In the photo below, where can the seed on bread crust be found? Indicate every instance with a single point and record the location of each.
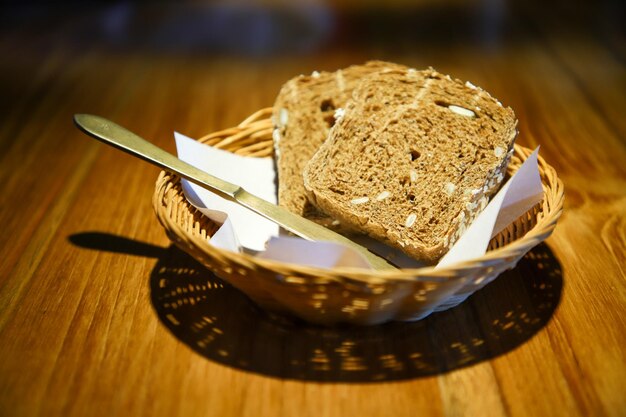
(283, 117)
(383, 195)
(461, 110)
(449, 188)
(360, 200)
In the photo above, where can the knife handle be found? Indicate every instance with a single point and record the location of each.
(121, 138)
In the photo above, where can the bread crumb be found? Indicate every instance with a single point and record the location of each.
(339, 113)
(470, 85)
(315, 74)
(276, 135)
(410, 220)
(413, 175)
(498, 151)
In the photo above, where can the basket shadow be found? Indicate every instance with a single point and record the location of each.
(223, 325)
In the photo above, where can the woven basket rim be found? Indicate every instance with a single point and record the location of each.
(551, 205)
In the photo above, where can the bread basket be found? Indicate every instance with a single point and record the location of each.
(347, 295)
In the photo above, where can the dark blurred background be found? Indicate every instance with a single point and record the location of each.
(260, 29)
(77, 50)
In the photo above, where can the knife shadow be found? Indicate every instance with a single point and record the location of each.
(223, 325)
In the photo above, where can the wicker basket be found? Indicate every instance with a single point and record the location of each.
(330, 296)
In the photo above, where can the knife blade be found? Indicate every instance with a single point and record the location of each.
(119, 137)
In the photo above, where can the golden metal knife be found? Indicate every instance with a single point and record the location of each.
(112, 134)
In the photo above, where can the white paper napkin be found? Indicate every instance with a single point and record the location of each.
(242, 227)
(244, 230)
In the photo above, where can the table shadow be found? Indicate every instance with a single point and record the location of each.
(224, 326)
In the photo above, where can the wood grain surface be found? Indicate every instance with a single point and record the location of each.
(85, 267)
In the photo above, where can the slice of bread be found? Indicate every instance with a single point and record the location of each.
(413, 160)
(303, 114)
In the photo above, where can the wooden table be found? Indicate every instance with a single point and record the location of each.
(85, 267)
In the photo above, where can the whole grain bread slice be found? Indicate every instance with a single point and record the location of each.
(413, 160)
(303, 115)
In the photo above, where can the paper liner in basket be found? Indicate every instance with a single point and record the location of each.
(244, 230)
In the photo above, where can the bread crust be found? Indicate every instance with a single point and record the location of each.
(413, 160)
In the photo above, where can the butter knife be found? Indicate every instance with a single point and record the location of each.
(112, 134)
